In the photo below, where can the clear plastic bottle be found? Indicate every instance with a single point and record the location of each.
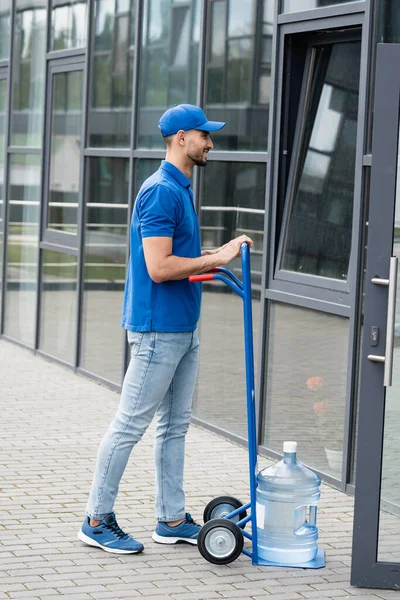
(286, 500)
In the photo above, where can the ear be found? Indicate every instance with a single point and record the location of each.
(180, 136)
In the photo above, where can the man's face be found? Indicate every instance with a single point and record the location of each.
(198, 144)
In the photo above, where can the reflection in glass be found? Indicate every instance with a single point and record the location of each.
(306, 375)
(389, 522)
(58, 305)
(388, 22)
(28, 73)
(297, 5)
(232, 203)
(5, 28)
(68, 24)
(318, 239)
(105, 259)
(168, 69)
(112, 68)
(65, 151)
(3, 131)
(22, 244)
(238, 70)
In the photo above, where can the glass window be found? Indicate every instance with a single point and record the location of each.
(58, 305)
(320, 223)
(28, 73)
(65, 151)
(68, 24)
(5, 29)
(3, 133)
(298, 5)
(306, 375)
(238, 69)
(168, 70)
(22, 245)
(105, 257)
(388, 21)
(112, 68)
(232, 203)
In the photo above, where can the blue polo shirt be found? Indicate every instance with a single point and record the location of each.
(164, 207)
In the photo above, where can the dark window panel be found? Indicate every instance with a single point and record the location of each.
(22, 247)
(68, 24)
(318, 239)
(58, 305)
(28, 73)
(238, 72)
(169, 63)
(110, 113)
(5, 28)
(105, 255)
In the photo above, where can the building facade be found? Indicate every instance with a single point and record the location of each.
(82, 86)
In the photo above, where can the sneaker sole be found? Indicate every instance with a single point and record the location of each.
(160, 539)
(87, 540)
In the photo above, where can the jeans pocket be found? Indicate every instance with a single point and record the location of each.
(135, 341)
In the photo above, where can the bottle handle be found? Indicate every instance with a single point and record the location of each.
(305, 527)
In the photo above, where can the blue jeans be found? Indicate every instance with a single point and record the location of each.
(160, 378)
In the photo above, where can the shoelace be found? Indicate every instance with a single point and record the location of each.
(116, 529)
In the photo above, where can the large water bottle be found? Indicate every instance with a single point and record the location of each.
(286, 501)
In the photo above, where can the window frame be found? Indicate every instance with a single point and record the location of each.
(320, 288)
(52, 236)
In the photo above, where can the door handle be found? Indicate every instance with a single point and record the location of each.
(391, 315)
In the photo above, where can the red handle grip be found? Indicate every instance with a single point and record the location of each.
(205, 277)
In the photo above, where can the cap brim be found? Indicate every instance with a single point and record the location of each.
(211, 126)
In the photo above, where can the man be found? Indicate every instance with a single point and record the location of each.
(161, 310)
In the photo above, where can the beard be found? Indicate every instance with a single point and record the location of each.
(197, 158)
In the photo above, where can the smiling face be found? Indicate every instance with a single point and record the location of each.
(198, 144)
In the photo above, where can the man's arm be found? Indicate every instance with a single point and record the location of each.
(162, 265)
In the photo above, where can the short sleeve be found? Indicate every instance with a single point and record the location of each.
(158, 212)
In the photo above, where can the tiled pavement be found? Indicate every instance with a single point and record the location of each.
(51, 424)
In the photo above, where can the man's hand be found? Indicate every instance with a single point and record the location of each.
(232, 249)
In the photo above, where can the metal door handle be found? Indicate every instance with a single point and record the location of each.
(391, 315)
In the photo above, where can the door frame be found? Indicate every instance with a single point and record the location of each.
(366, 570)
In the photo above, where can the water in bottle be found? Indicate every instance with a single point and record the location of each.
(286, 501)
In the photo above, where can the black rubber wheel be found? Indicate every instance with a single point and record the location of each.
(222, 506)
(220, 541)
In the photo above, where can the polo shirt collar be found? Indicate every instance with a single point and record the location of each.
(175, 173)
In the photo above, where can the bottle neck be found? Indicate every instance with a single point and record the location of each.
(289, 458)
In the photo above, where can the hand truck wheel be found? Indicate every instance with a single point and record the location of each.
(222, 506)
(220, 541)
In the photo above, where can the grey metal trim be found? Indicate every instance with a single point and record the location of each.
(269, 226)
(322, 13)
(312, 280)
(156, 153)
(22, 150)
(105, 382)
(7, 173)
(66, 65)
(108, 152)
(337, 21)
(366, 570)
(43, 152)
(367, 160)
(60, 54)
(355, 270)
(4, 63)
(57, 248)
(54, 359)
(136, 73)
(319, 304)
(82, 185)
(220, 155)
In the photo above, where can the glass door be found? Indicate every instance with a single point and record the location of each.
(376, 542)
(3, 137)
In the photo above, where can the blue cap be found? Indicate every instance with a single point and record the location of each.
(185, 117)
